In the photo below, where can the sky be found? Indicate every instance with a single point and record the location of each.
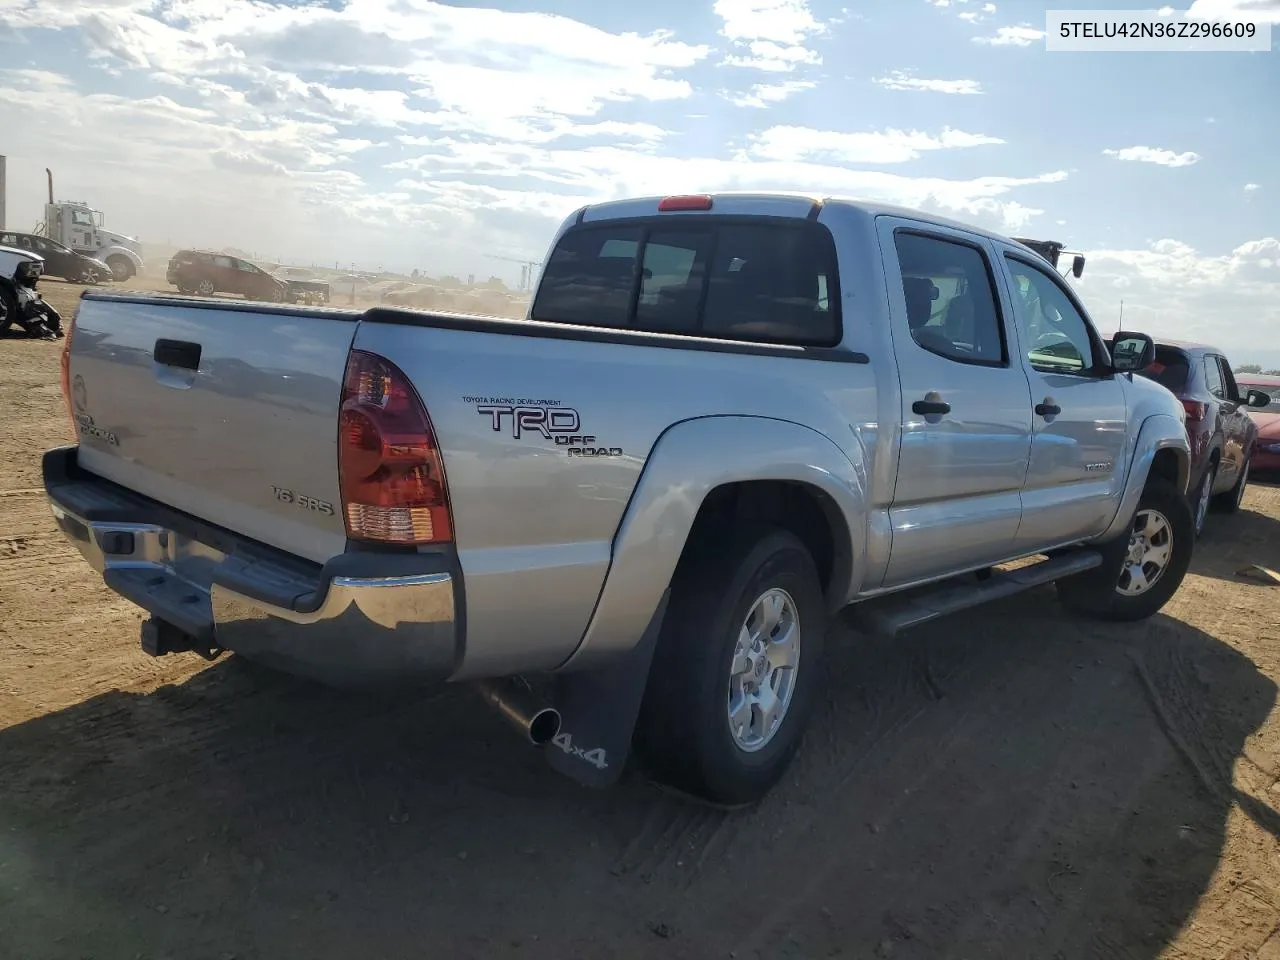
(453, 138)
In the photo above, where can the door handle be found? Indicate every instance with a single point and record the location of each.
(930, 407)
(177, 353)
(1047, 409)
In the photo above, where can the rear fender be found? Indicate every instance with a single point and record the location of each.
(690, 460)
(1159, 432)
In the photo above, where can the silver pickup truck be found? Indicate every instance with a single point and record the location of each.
(629, 517)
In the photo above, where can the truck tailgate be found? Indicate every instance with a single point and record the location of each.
(221, 412)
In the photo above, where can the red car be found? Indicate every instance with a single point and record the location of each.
(1221, 433)
(1266, 450)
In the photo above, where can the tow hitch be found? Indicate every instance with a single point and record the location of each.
(160, 638)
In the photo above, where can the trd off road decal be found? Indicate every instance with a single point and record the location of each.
(548, 419)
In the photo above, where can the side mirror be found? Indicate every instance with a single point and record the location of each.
(1256, 398)
(1077, 266)
(1131, 352)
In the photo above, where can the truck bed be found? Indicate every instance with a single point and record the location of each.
(545, 431)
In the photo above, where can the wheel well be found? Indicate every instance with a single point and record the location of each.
(1167, 465)
(800, 508)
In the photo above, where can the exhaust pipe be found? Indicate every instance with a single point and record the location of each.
(537, 724)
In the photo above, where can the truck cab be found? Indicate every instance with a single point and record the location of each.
(82, 228)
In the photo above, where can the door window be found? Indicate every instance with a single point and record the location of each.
(245, 267)
(82, 218)
(1213, 377)
(1228, 380)
(951, 305)
(1055, 335)
(224, 262)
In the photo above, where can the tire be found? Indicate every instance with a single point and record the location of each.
(1107, 592)
(1229, 500)
(1203, 497)
(683, 734)
(121, 268)
(205, 288)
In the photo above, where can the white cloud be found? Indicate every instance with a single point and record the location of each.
(1157, 155)
(607, 172)
(1172, 290)
(766, 94)
(1260, 11)
(771, 35)
(414, 131)
(900, 80)
(988, 8)
(1020, 36)
(1250, 187)
(788, 143)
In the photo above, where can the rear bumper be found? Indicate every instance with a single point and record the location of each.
(364, 618)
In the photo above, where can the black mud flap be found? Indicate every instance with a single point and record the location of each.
(598, 711)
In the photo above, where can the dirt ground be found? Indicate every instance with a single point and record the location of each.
(1014, 783)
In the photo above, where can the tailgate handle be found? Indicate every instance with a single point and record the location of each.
(177, 353)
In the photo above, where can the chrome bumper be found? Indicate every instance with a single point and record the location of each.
(350, 623)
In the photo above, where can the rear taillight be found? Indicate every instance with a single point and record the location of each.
(1196, 410)
(389, 465)
(66, 372)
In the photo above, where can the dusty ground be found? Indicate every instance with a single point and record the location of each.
(1014, 784)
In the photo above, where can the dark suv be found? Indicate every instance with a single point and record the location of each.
(198, 271)
(1221, 432)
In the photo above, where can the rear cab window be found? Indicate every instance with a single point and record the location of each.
(1171, 369)
(757, 279)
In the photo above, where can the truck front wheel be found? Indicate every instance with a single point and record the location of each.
(735, 670)
(121, 268)
(1142, 569)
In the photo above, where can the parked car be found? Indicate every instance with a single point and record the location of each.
(303, 285)
(16, 265)
(1220, 431)
(206, 273)
(725, 419)
(1266, 451)
(59, 259)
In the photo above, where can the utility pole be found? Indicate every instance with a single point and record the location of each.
(3, 188)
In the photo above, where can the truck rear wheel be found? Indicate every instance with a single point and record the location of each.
(734, 673)
(1142, 569)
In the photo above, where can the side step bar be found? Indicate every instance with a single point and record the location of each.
(893, 614)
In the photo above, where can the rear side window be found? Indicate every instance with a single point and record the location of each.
(1171, 369)
(755, 280)
(951, 304)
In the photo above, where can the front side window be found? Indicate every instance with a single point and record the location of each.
(224, 262)
(81, 218)
(1055, 335)
(752, 280)
(951, 306)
